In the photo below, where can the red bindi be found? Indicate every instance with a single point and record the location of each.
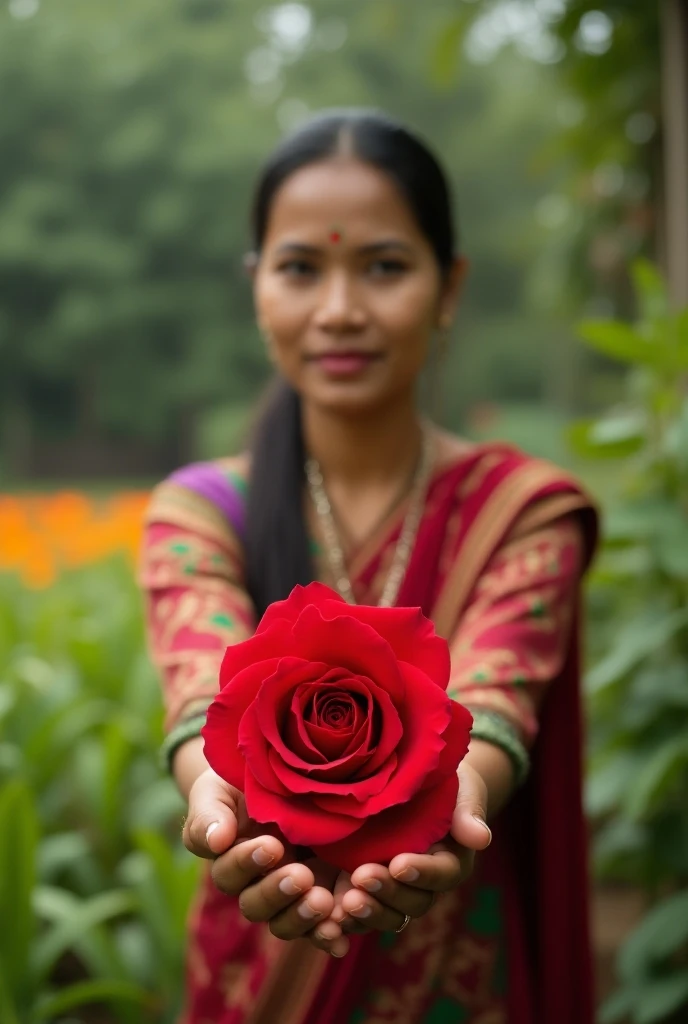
(335, 237)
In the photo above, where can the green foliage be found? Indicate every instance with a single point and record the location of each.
(98, 893)
(638, 685)
(127, 159)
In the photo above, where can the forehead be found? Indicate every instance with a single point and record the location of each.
(341, 191)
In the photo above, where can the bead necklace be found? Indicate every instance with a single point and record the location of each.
(407, 538)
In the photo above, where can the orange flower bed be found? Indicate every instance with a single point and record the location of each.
(41, 535)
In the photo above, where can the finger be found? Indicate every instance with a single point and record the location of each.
(328, 937)
(468, 827)
(301, 916)
(342, 885)
(388, 893)
(439, 871)
(212, 821)
(393, 900)
(245, 862)
(364, 913)
(273, 893)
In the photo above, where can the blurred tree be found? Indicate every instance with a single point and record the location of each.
(604, 154)
(126, 163)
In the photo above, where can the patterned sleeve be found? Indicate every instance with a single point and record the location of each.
(514, 634)
(192, 575)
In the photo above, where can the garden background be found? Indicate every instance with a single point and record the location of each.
(129, 138)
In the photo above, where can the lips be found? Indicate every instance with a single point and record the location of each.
(345, 363)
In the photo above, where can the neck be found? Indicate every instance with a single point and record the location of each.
(355, 450)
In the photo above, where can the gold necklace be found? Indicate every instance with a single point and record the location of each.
(407, 538)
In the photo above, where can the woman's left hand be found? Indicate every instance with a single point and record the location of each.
(379, 898)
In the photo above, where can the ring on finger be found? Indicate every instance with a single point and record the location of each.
(404, 924)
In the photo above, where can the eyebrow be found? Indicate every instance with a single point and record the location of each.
(371, 248)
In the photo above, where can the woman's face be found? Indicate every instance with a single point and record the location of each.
(347, 289)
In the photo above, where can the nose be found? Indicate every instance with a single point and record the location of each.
(339, 306)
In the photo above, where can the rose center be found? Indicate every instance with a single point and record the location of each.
(334, 710)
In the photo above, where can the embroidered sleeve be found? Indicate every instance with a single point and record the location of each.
(514, 634)
(192, 575)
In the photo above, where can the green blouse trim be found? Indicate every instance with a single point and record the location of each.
(493, 728)
(186, 730)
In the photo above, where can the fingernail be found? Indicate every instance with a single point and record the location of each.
(210, 829)
(289, 887)
(307, 912)
(339, 948)
(408, 875)
(363, 911)
(261, 856)
(371, 885)
(476, 817)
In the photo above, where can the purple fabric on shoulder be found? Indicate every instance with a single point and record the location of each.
(207, 480)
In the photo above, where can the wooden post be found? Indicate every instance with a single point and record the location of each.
(675, 124)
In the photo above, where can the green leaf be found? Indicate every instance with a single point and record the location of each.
(663, 931)
(85, 992)
(613, 438)
(622, 342)
(658, 775)
(73, 925)
(657, 1000)
(96, 947)
(650, 289)
(8, 1012)
(445, 54)
(60, 851)
(617, 1006)
(18, 842)
(608, 782)
(635, 642)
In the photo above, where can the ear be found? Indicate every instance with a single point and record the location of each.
(451, 291)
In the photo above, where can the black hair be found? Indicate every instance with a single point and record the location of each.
(277, 545)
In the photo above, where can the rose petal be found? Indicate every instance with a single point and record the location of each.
(330, 793)
(457, 737)
(271, 692)
(277, 694)
(412, 637)
(294, 729)
(301, 822)
(221, 729)
(333, 710)
(253, 651)
(411, 828)
(426, 715)
(346, 643)
(300, 598)
(332, 743)
(220, 745)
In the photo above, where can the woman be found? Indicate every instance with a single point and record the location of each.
(355, 271)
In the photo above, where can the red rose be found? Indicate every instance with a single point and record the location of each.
(334, 722)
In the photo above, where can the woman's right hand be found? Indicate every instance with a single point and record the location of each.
(261, 870)
(216, 815)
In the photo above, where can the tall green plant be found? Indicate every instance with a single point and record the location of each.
(43, 923)
(98, 892)
(638, 685)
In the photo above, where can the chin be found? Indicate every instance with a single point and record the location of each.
(350, 399)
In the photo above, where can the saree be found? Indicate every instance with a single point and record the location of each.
(497, 564)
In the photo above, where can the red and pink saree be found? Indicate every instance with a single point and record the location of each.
(497, 565)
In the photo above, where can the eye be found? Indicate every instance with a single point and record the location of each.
(297, 268)
(387, 268)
